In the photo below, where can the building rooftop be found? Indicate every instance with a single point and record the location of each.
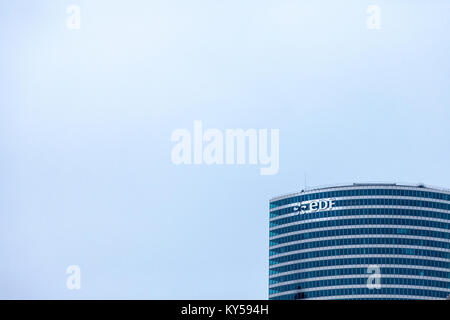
(374, 184)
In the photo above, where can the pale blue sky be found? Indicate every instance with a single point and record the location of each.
(86, 118)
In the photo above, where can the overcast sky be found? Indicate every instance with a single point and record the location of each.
(86, 117)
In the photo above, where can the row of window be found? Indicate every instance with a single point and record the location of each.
(360, 212)
(360, 281)
(365, 291)
(359, 251)
(360, 241)
(374, 202)
(360, 231)
(359, 271)
(360, 260)
(360, 221)
(361, 192)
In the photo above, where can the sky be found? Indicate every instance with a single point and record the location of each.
(86, 118)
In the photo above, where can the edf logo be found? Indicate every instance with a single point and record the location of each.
(314, 206)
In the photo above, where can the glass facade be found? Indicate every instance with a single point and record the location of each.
(361, 241)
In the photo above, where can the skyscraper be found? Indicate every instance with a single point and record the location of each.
(360, 241)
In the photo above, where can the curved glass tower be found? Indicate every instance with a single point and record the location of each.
(360, 241)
